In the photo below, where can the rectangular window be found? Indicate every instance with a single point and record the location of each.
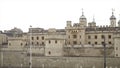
(96, 43)
(32, 38)
(89, 37)
(74, 36)
(37, 38)
(109, 42)
(89, 42)
(102, 36)
(80, 42)
(69, 36)
(42, 38)
(32, 43)
(109, 36)
(56, 41)
(95, 36)
(49, 41)
(21, 44)
(68, 42)
(37, 43)
(42, 43)
(74, 42)
(102, 43)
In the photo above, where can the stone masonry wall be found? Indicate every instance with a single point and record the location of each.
(21, 60)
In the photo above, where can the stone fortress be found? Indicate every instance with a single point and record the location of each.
(81, 39)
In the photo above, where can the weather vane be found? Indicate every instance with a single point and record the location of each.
(113, 11)
(82, 12)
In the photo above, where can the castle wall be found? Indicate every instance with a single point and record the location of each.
(95, 38)
(54, 45)
(3, 39)
(88, 51)
(15, 59)
(117, 45)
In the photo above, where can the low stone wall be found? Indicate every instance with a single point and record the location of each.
(21, 60)
(88, 51)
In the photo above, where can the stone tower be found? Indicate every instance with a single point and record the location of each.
(117, 44)
(68, 24)
(112, 20)
(54, 43)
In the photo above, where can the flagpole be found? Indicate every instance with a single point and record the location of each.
(30, 63)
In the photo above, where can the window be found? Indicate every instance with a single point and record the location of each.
(102, 36)
(74, 36)
(42, 43)
(55, 41)
(49, 41)
(42, 38)
(74, 42)
(80, 36)
(96, 43)
(9, 44)
(26, 44)
(116, 48)
(68, 42)
(37, 43)
(69, 36)
(89, 37)
(32, 43)
(109, 42)
(95, 36)
(109, 36)
(37, 38)
(49, 52)
(80, 42)
(21, 44)
(102, 43)
(116, 54)
(89, 42)
(32, 38)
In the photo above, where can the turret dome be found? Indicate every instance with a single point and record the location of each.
(83, 17)
(112, 17)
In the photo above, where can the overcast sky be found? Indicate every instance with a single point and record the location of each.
(54, 13)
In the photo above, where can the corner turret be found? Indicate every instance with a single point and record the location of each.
(83, 20)
(112, 20)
